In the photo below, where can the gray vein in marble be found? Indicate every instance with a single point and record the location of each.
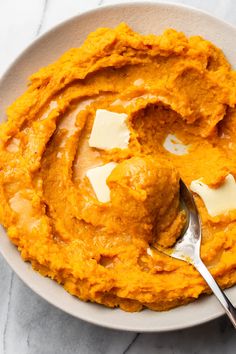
(8, 311)
(100, 2)
(131, 343)
(27, 340)
(45, 6)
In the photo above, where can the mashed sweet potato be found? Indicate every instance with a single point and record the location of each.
(166, 84)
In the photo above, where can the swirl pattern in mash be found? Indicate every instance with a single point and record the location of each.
(168, 85)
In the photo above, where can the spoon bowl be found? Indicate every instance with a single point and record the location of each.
(187, 249)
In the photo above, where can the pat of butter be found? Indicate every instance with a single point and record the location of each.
(109, 130)
(174, 145)
(217, 200)
(98, 177)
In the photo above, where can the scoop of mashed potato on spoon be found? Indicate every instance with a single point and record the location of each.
(145, 198)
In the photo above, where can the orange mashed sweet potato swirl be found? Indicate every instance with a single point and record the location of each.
(167, 84)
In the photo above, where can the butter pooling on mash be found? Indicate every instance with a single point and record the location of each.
(167, 85)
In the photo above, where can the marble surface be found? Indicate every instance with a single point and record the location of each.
(28, 324)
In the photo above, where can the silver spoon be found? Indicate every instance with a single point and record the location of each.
(187, 248)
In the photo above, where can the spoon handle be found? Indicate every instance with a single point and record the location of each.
(223, 299)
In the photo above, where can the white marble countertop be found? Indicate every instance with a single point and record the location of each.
(28, 324)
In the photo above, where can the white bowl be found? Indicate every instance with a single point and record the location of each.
(144, 18)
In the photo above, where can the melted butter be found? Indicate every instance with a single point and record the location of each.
(13, 145)
(86, 159)
(124, 103)
(149, 252)
(59, 155)
(68, 122)
(97, 177)
(139, 82)
(217, 200)
(23, 207)
(174, 145)
(52, 105)
(109, 130)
